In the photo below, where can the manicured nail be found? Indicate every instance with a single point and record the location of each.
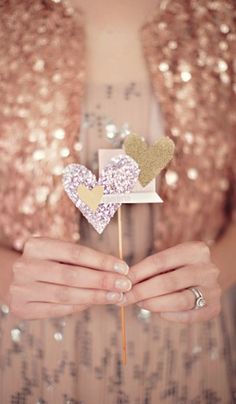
(123, 301)
(114, 296)
(123, 284)
(121, 267)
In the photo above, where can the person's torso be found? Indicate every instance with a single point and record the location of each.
(43, 71)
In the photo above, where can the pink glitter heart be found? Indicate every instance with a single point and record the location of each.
(118, 177)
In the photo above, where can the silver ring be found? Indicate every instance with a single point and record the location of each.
(200, 301)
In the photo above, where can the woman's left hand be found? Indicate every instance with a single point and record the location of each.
(162, 282)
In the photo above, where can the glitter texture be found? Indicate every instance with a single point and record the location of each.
(198, 114)
(118, 177)
(151, 159)
(192, 210)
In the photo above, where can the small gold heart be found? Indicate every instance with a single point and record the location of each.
(151, 159)
(92, 197)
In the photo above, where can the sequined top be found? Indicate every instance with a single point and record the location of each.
(189, 47)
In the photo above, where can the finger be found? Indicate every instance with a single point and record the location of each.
(50, 293)
(180, 301)
(173, 281)
(36, 311)
(57, 250)
(29, 270)
(193, 316)
(174, 257)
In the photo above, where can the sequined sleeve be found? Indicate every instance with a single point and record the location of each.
(39, 117)
(234, 183)
(234, 130)
(232, 118)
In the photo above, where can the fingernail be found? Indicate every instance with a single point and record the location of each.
(123, 301)
(121, 267)
(114, 296)
(123, 284)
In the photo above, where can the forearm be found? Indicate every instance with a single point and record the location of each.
(224, 256)
(7, 257)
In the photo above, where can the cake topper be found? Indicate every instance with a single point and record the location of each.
(126, 176)
(151, 159)
(117, 177)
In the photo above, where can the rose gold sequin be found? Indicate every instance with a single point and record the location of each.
(40, 83)
(198, 105)
(33, 147)
(187, 44)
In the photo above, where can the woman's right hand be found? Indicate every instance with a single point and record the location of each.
(55, 278)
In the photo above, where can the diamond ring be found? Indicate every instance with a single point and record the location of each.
(200, 301)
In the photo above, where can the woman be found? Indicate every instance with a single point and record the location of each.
(53, 264)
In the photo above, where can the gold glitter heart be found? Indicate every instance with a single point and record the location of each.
(151, 159)
(92, 197)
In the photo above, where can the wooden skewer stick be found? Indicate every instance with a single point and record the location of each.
(122, 308)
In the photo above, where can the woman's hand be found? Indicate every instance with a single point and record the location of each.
(161, 283)
(55, 278)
